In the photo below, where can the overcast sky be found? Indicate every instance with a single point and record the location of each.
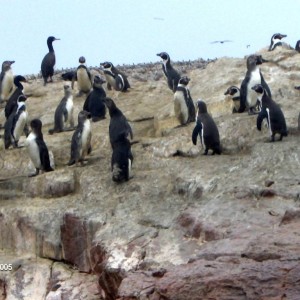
(134, 31)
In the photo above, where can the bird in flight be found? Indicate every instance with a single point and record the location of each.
(221, 42)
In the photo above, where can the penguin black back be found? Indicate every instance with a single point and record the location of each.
(297, 47)
(48, 62)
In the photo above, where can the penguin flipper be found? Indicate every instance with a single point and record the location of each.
(86, 103)
(197, 130)
(44, 155)
(266, 87)
(261, 116)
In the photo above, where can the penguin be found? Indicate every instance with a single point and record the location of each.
(207, 130)
(69, 76)
(115, 79)
(48, 61)
(253, 76)
(297, 47)
(12, 101)
(84, 78)
(81, 139)
(118, 125)
(276, 40)
(6, 80)
(94, 103)
(121, 160)
(235, 94)
(16, 124)
(37, 148)
(64, 112)
(183, 103)
(172, 75)
(272, 112)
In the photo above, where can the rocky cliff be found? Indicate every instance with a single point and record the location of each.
(186, 226)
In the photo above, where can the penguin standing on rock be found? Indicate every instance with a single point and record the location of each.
(37, 148)
(115, 79)
(183, 103)
(64, 112)
(172, 75)
(16, 124)
(253, 77)
(81, 139)
(84, 78)
(94, 103)
(276, 40)
(272, 112)
(6, 80)
(207, 130)
(48, 62)
(12, 101)
(235, 94)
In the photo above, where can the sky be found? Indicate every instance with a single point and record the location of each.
(134, 31)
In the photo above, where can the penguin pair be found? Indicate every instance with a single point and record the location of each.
(16, 124)
(64, 112)
(119, 130)
(171, 74)
(83, 77)
(184, 107)
(207, 130)
(272, 112)
(81, 139)
(37, 148)
(6, 80)
(235, 94)
(115, 79)
(248, 98)
(48, 62)
(94, 103)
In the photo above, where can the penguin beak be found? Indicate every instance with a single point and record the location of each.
(12, 62)
(264, 60)
(56, 39)
(282, 36)
(226, 93)
(158, 54)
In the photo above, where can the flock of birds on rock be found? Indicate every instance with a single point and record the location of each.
(253, 95)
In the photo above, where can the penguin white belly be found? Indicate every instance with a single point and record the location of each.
(7, 85)
(19, 127)
(251, 94)
(69, 108)
(86, 137)
(180, 108)
(110, 80)
(33, 150)
(83, 80)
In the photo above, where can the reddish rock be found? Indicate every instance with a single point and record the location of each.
(290, 216)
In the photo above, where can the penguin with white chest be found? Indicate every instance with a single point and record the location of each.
(64, 112)
(37, 148)
(184, 107)
(207, 130)
(276, 40)
(115, 79)
(171, 74)
(81, 139)
(248, 98)
(16, 124)
(272, 112)
(235, 94)
(6, 80)
(84, 78)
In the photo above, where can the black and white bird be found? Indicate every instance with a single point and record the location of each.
(6, 80)
(235, 94)
(276, 40)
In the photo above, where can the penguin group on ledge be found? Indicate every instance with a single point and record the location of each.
(253, 95)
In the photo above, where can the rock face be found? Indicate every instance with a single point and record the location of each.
(186, 226)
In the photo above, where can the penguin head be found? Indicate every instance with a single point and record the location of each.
(22, 98)
(67, 88)
(106, 65)
(184, 80)
(202, 108)
(258, 88)
(110, 104)
(276, 39)
(82, 59)
(297, 47)
(51, 39)
(7, 64)
(98, 81)
(82, 116)
(36, 125)
(232, 90)
(19, 78)
(164, 56)
(254, 60)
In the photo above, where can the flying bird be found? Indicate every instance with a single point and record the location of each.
(221, 42)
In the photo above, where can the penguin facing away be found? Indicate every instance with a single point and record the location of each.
(297, 47)
(115, 79)
(6, 80)
(94, 103)
(235, 94)
(48, 62)
(171, 74)
(207, 130)
(272, 112)
(64, 112)
(276, 40)
(183, 103)
(12, 101)
(248, 98)
(84, 78)
(118, 126)
(81, 139)
(16, 124)
(37, 148)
